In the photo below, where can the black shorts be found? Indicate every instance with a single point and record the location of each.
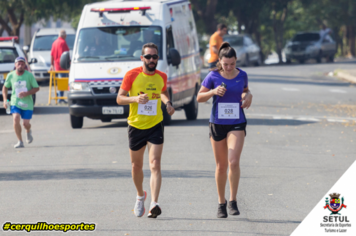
(219, 132)
(138, 138)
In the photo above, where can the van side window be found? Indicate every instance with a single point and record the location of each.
(170, 41)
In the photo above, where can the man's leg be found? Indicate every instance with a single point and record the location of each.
(155, 153)
(27, 125)
(61, 93)
(137, 172)
(16, 118)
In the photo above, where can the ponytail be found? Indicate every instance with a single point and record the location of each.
(227, 51)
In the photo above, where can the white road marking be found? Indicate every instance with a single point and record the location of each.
(291, 89)
(337, 91)
(302, 118)
(6, 131)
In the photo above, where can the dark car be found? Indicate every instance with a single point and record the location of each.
(310, 45)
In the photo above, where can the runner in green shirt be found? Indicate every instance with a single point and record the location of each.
(23, 85)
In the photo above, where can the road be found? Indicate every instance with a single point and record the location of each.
(300, 140)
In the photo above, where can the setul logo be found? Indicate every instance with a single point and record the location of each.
(335, 205)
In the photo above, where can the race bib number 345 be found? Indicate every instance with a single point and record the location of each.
(148, 109)
(228, 110)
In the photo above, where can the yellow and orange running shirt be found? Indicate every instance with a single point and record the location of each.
(136, 82)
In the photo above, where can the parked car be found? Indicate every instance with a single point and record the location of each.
(40, 49)
(96, 75)
(310, 45)
(247, 51)
(9, 51)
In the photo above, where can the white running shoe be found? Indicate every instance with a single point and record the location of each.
(139, 209)
(29, 137)
(19, 144)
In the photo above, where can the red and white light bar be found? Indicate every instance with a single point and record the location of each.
(9, 38)
(115, 10)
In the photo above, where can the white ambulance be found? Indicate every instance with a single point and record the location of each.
(109, 42)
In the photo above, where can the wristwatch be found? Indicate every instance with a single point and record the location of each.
(169, 102)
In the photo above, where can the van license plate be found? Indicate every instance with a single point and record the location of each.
(113, 110)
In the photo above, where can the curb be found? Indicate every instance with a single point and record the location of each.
(345, 76)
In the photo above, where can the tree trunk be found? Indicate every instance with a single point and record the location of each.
(278, 30)
(351, 39)
(207, 13)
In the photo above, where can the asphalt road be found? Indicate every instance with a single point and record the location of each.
(300, 140)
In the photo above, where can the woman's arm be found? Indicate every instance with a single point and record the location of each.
(205, 94)
(246, 98)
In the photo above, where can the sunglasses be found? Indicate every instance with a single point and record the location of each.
(149, 56)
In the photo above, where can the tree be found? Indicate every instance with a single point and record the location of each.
(13, 13)
(205, 10)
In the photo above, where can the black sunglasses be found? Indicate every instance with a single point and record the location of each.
(149, 56)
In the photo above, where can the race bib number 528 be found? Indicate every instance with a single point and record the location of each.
(228, 110)
(148, 109)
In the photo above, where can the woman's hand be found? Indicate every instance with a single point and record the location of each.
(246, 99)
(220, 91)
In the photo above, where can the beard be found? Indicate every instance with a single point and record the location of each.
(20, 70)
(151, 68)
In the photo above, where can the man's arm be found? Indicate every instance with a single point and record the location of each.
(52, 63)
(123, 99)
(215, 49)
(166, 100)
(4, 95)
(29, 93)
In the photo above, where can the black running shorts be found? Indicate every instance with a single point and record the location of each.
(219, 132)
(138, 138)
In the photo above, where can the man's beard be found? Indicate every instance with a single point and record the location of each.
(151, 68)
(20, 70)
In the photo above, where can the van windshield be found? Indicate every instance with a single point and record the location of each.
(44, 43)
(116, 43)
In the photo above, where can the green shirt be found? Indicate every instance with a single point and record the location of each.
(19, 83)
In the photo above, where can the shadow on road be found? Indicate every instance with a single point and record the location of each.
(51, 110)
(97, 174)
(288, 80)
(281, 122)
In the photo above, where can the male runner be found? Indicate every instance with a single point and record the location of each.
(147, 87)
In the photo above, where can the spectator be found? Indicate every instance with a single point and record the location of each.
(59, 46)
(215, 42)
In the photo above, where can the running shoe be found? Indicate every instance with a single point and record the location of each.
(19, 144)
(155, 210)
(222, 213)
(29, 137)
(139, 209)
(233, 210)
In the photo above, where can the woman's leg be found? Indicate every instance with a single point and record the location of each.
(220, 153)
(235, 143)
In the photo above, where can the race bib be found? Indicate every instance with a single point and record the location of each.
(228, 110)
(20, 86)
(148, 109)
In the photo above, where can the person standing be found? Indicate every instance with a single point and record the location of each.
(58, 47)
(147, 87)
(227, 123)
(214, 44)
(23, 85)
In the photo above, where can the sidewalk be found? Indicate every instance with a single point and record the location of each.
(349, 75)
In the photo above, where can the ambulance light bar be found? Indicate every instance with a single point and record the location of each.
(120, 10)
(9, 38)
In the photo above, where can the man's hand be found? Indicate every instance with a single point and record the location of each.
(142, 99)
(23, 94)
(51, 68)
(170, 109)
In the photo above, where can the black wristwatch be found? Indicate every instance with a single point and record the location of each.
(169, 102)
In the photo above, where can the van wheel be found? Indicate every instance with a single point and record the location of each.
(191, 109)
(106, 120)
(76, 122)
(166, 117)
